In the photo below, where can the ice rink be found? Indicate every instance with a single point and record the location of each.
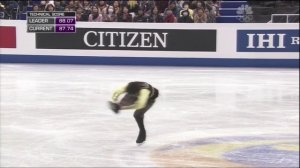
(57, 116)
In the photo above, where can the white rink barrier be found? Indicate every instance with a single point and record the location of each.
(167, 44)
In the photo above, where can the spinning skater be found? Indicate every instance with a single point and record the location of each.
(139, 96)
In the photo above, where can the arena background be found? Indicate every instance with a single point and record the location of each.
(222, 103)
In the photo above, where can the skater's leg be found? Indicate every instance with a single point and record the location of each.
(139, 118)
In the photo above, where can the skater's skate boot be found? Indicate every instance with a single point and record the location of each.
(114, 107)
(142, 137)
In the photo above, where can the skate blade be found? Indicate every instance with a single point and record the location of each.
(112, 106)
(140, 144)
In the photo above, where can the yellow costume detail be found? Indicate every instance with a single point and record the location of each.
(141, 102)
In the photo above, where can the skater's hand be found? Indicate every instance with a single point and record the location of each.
(115, 99)
(117, 93)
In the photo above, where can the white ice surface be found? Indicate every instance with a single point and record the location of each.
(57, 115)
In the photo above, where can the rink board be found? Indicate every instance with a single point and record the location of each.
(208, 45)
(148, 61)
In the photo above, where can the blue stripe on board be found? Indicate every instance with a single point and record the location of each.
(151, 61)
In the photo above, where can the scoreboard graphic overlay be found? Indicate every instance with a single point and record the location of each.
(51, 22)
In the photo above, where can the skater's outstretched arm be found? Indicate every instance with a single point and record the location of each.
(118, 92)
(141, 102)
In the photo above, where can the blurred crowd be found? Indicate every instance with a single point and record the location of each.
(162, 11)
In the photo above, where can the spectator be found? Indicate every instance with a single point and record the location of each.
(78, 4)
(79, 14)
(140, 17)
(109, 2)
(86, 5)
(125, 16)
(22, 6)
(199, 6)
(162, 5)
(155, 16)
(170, 17)
(133, 6)
(58, 6)
(180, 3)
(147, 5)
(174, 7)
(2, 11)
(42, 2)
(63, 3)
(110, 15)
(214, 12)
(211, 16)
(50, 6)
(102, 7)
(67, 9)
(43, 5)
(185, 18)
(36, 8)
(216, 4)
(193, 4)
(2, 7)
(211, 6)
(10, 9)
(86, 10)
(200, 16)
(117, 7)
(187, 8)
(71, 5)
(95, 16)
(123, 3)
(150, 7)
